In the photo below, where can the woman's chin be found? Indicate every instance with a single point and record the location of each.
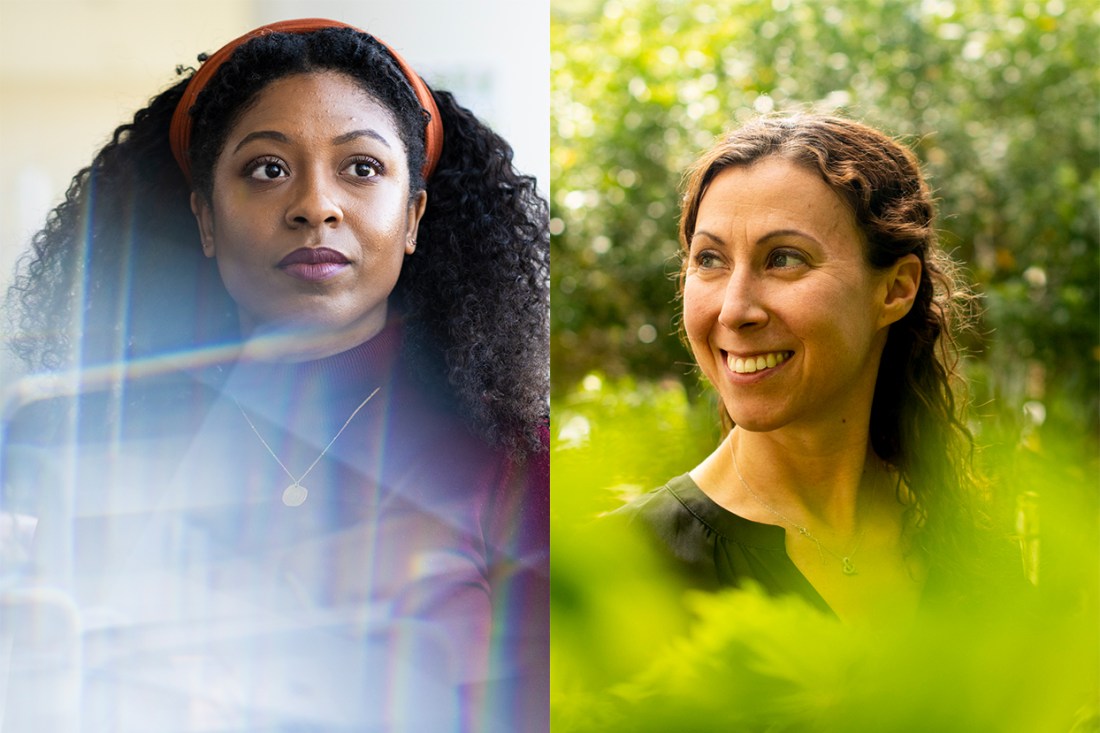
(755, 422)
(751, 427)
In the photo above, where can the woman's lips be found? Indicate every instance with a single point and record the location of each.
(313, 264)
(752, 364)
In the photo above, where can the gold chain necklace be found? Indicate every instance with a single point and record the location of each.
(845, 560)
(295, 494)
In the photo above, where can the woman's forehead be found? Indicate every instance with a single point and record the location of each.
(324, 91)
(308, 105)
(773, 192)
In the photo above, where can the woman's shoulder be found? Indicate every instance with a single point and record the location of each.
(680, 508)
(662, 504)
(52, 411)
(669, 517)
(661, 527)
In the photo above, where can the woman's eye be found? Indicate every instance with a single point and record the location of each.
(364, 168)
(268, 170)
(783, 258)
(707, 260)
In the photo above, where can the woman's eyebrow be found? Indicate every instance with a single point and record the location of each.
(347, 137)
(765, 238)
(708, 235)
(790, 233)
(261, 135)
(338, 140)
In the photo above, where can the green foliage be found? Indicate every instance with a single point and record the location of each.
(753, 663)
(999, 100)
(627, 657)
(652, 427)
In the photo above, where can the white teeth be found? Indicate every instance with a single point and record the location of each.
(754, 364)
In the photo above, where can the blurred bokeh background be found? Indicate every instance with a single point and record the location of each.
(1000, 101)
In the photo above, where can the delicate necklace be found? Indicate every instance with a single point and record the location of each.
(295, 494)
(845, 560)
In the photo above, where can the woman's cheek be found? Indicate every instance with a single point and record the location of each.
(700, 314)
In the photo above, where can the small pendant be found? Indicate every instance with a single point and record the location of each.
(295, 495)
(848, 567)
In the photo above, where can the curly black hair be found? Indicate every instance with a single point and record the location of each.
(124, 243)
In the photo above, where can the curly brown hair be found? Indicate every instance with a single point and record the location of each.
(917, 423)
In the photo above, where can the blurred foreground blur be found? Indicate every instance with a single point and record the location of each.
(625, 657)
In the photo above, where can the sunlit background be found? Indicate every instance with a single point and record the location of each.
(999, 101)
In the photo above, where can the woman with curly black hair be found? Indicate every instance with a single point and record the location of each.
(304, 482)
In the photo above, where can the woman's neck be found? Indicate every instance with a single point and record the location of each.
(820, 477)
(816, 481)
(294, 347)
(295, 344)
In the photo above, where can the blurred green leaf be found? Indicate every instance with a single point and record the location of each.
(633, 651)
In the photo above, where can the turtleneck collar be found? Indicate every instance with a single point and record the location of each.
(348, 375)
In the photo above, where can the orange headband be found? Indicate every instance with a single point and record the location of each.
(179, 135)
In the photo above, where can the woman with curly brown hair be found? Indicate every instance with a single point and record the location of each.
(818, 304)
(304, 481)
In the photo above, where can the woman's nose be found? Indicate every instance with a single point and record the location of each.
(313, 204)
(742, 302)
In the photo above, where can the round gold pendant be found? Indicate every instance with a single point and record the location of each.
(295, 495)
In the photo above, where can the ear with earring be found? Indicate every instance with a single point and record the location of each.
(410, 246)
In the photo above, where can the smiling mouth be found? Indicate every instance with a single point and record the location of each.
(758, 363)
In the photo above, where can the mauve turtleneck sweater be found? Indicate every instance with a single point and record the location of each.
(411, 588)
